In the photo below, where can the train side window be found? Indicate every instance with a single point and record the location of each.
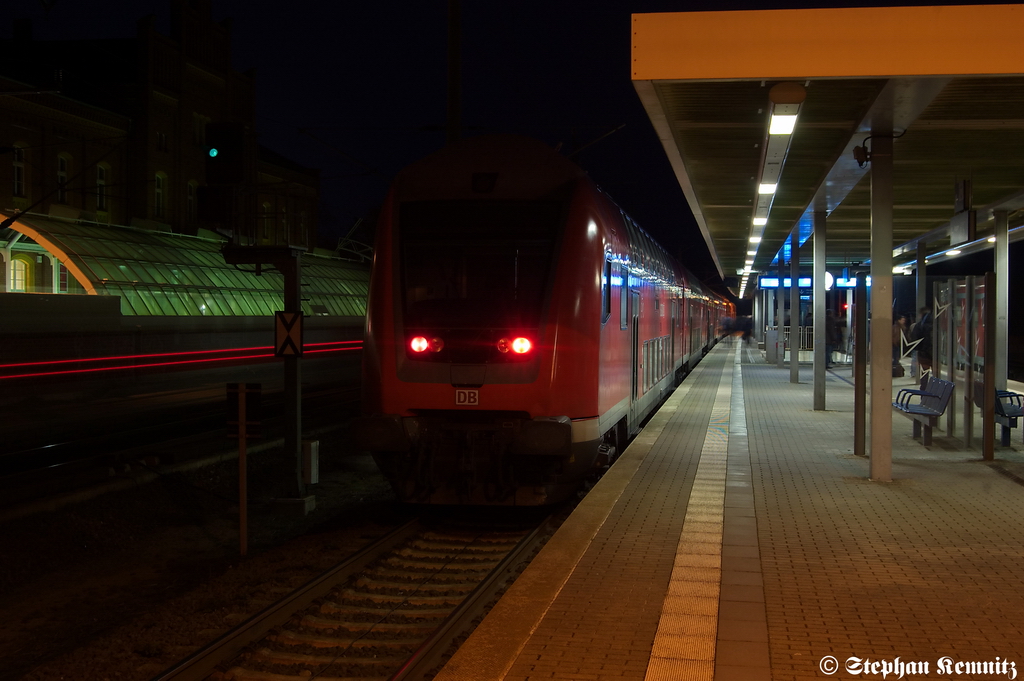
(606, 290)
(624, 299)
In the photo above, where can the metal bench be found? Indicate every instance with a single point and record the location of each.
(1009, 407)
(926, 410)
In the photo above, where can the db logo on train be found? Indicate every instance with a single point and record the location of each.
(467, 398)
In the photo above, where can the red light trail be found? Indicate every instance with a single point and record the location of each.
(121, 362)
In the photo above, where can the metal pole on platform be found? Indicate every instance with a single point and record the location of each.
(922, 294)
(1002, 298)
(780, 302)
(970, 334)
(881, 301)
(950, 354)
(860, 366)
(989, 324)
(795, 322)
(820, 360)
(756, 321)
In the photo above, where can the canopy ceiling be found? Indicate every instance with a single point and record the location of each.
(951, 79)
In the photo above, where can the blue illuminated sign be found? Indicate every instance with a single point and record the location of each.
(773, 282)
(805, 282)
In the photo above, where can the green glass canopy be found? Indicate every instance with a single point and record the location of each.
(163, 273)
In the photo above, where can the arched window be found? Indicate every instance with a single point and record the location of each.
(63, 167)
(19, 275)
(19, 171)
(102, 173)
(159, 185)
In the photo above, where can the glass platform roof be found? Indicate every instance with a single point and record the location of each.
(162, 273)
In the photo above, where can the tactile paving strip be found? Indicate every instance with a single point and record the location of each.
(684, 646)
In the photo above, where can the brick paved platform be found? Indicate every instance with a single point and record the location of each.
(739, 538)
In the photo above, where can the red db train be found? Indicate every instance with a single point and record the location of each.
(520, 327)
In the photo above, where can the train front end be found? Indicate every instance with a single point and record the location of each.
(464, 401)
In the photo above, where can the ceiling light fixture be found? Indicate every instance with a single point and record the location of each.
(784, 103)
(782, 124)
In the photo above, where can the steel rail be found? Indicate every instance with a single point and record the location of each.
(203, 662)
(430, 651)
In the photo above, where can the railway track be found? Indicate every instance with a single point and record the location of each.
(388, 612)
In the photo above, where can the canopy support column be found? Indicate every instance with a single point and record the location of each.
(820, 360)
(1002, 302)
(780, 302)
(881, 301)
(794, 307)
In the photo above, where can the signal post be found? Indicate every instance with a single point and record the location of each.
(229, 200)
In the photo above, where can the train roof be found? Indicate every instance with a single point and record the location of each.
(492, 166)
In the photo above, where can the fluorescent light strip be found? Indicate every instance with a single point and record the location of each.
(782, 124)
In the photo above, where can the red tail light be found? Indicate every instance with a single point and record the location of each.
(521, 345)
(518, 345)
(421, 344)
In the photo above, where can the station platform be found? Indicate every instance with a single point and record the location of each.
(738, 537)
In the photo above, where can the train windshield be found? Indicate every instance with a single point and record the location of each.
(477, 264)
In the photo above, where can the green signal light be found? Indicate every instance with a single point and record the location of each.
(213, 153)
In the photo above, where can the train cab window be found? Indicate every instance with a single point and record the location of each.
(606, 290)
(477, 263)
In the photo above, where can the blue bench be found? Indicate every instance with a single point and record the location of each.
(1009, 407)
(928, 406)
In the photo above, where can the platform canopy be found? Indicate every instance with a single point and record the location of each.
(163, 273)
(950, 78)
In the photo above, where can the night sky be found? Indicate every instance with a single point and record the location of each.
(359, 90)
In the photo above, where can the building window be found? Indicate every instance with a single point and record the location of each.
(101, 187)
(62, 285)
(191, 201)
(266, 220)
(199, 129)
(161, 141)
(19, 171)
(19, 275)
(158, 195)
(62, 179)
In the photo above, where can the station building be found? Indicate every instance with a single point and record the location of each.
(104, 187)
